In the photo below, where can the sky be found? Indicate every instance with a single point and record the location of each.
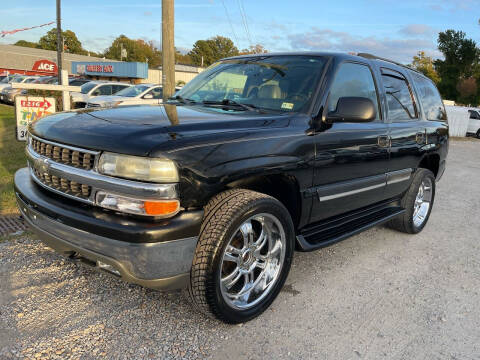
(394, 29)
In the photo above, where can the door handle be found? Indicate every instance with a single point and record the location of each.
(384, 141)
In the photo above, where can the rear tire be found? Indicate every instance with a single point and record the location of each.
(243, 255)
(418, 203)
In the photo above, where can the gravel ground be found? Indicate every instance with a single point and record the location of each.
(380, 294)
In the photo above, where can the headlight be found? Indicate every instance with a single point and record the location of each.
(138, 168)
(157, 208)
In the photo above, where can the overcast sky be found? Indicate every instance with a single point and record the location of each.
(395, 29)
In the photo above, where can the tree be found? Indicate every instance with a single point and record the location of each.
(461, 61)
(212, 50)
(467, 89)
(254, 49)
(424, 64)
(183, 59)
(137, 50)
(71, 43)
(25, 43)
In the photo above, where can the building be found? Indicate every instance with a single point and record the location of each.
(31, 61)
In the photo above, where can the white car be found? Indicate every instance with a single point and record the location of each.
(141, 94)
(474, 123)
(7, 94)
(93, 89)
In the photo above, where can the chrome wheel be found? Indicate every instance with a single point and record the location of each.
(422, 202)
(252, 261)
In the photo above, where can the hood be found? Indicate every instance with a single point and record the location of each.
(137, 130)
(107, 99)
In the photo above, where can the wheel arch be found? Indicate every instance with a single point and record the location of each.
(282, 187)
(431, 162)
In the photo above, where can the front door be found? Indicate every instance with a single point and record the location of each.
(351, 158)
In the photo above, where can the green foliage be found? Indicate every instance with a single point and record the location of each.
(71, 43)
(25, 43)
(212, 50)
(424, 64)
(137, 50)
(461, 62)
(12, 158)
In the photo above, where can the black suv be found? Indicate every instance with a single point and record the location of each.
(257, 156)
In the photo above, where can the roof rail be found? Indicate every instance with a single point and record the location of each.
(374, 57)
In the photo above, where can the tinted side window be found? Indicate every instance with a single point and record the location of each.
(156, 93)
(473, 115)
(430, 98)
(117, 88)
(105, 90)
(353, 80)
(401, 106)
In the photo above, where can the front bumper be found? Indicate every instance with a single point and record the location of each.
(154, 255)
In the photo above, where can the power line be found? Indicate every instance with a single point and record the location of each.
(230, 21)
(244, 20)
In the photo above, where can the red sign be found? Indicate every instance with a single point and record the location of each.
(45, 65)
(100, 68)
(35, 104)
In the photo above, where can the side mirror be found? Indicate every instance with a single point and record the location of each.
(148, 96)
(353, 109)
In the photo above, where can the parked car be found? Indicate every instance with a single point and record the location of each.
(8, 80)
(474, 123)
(255, 157)
(141, 94)
(92, 89)
(7, 94)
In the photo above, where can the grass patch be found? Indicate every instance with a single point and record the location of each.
(12, 158)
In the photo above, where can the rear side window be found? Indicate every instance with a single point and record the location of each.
(430, 98)
(401, 106)
(474, 115)
(117, 88)
(353, 80)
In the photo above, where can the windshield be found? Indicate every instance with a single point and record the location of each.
(283, 83)
(132, 91)
(17, 79)
(87, 87)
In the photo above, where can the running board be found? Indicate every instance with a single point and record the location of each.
(337, 229)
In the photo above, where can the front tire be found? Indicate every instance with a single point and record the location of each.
(478, 134)
(418, 203)
(243, 255)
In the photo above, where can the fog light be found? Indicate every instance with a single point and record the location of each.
(159, 208)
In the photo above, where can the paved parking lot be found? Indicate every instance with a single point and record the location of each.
(380, 294)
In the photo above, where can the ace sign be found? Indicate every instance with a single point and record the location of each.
(29, 109)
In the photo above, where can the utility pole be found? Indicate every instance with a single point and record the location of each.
(59, 43)
(168, 49)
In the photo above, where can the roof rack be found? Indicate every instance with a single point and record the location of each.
(374, 57)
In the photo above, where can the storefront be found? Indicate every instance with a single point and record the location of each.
(133, 72)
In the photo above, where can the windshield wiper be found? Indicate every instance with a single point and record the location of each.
(228, 102)
(182, 100)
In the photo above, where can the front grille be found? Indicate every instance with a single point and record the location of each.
(64, 155)
(65, 186)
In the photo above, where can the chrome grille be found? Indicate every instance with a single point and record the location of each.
(62, 185)
(64, 155)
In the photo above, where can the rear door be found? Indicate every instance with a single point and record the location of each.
(407, 129)
(351, 158)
